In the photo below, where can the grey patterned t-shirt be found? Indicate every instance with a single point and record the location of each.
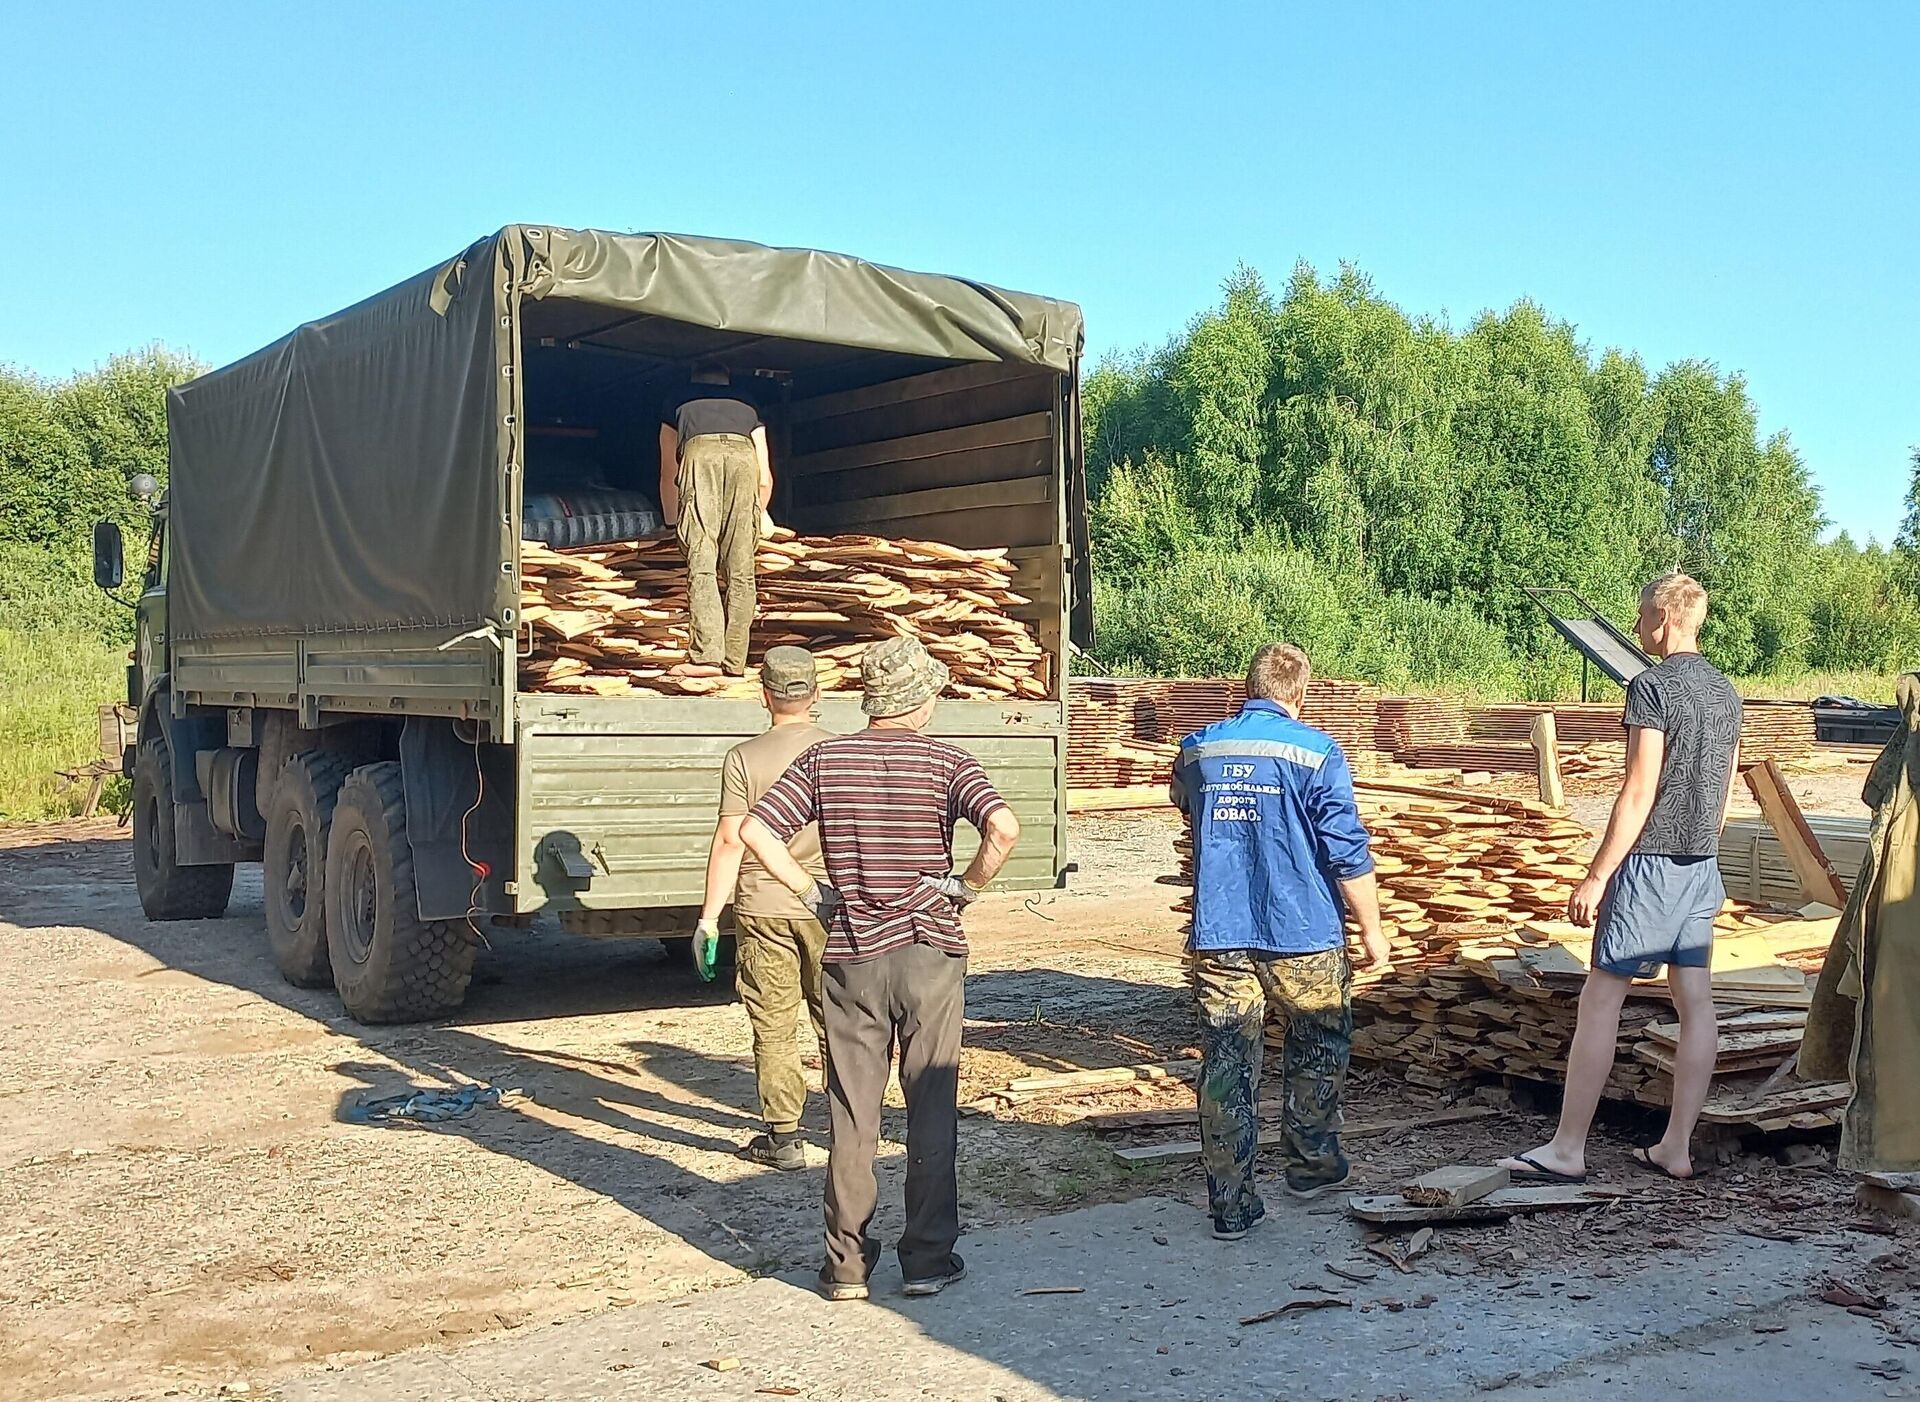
(1698, 712)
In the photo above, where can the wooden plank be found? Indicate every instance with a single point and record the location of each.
(1100, 1077)
(1742, 1040)
(1027, 428)
(1546, 750)
(1456, 1185)
(891, 392)
(1001, 464)
(1136, 796)
(1729, 1107)
(1272, 1138)
(1662, 1058)
(1514, 807)
(1391, 1208)
(1804, 854)
(941, 501)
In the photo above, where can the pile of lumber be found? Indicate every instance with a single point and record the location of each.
(1125, 731)
(1781, 730)
(1412, 723)
(611, 620)
(1576, 723)
(1755, 865)
(1513, 1014)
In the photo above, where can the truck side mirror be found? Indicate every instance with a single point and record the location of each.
(109, 555)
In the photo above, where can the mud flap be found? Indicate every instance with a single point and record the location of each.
(453, 784)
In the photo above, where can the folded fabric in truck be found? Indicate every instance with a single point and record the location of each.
(586, 517)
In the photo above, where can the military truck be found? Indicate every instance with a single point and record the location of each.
(328, 618)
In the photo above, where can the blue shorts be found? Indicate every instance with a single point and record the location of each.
(1658, 910)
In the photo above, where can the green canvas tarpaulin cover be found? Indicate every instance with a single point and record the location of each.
(357, 474)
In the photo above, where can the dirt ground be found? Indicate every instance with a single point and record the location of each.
(187, 1198)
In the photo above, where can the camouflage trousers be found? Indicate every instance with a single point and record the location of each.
(776, 972)
(1234, 991)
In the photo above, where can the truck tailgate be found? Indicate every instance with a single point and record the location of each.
(617, 796)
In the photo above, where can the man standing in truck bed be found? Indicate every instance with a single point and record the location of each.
(886, 799)
(715, 483)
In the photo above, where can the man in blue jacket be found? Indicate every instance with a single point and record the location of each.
(1280, 860)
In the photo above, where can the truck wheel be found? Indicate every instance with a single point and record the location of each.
(168, 891)
(388, 963)
(293, 863)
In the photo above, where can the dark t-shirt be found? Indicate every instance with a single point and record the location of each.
(1698, 711)
(704, 411)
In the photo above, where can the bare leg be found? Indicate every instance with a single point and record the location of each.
(1692, 1067)
(1589, 1064)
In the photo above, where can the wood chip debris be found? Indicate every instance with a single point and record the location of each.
(1300, 1305)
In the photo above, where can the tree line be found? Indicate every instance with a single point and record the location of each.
(1316, 465)
(68, 450)
(1384, 489)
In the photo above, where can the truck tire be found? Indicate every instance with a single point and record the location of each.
(168, 891)
(388, 963)
(293, 864)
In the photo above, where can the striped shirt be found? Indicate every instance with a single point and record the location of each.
(886, 801)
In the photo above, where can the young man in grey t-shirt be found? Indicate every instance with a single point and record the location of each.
(1654, 887)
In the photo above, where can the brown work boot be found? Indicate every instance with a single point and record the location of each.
(777, 1149)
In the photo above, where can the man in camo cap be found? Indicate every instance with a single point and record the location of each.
(777, 957)
(886, 799)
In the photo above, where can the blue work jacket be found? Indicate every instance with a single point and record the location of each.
(1274, 830)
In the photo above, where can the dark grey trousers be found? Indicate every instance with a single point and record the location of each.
(915, 995)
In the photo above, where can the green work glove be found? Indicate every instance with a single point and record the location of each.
(706, 949)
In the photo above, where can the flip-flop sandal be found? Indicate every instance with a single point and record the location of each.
(1537, 1172)
(1646, 1161)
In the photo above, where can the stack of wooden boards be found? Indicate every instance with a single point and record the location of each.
(1487, 974)
(1781, 730)
(611, 620)
(1756, 868)
(1125, 731)
(1122, 730)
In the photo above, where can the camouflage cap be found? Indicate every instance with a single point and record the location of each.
(897, 675)
(787, 673)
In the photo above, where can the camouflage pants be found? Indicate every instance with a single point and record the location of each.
(1234, 989)
(719, 484)
(777, 971)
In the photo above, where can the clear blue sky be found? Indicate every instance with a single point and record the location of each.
(1738, 183)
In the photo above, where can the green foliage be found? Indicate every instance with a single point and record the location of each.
(52, 684)
(1861, 615)
(1204, 613)
(1383, 490)
(1906, 545)
(67, 453)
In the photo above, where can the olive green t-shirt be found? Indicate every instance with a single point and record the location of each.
(751, 769)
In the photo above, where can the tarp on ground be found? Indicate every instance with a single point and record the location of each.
(354, 474)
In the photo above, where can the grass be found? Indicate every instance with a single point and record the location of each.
(51, 687)
(1868, 686)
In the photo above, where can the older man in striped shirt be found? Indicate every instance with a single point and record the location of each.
(886, 799)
